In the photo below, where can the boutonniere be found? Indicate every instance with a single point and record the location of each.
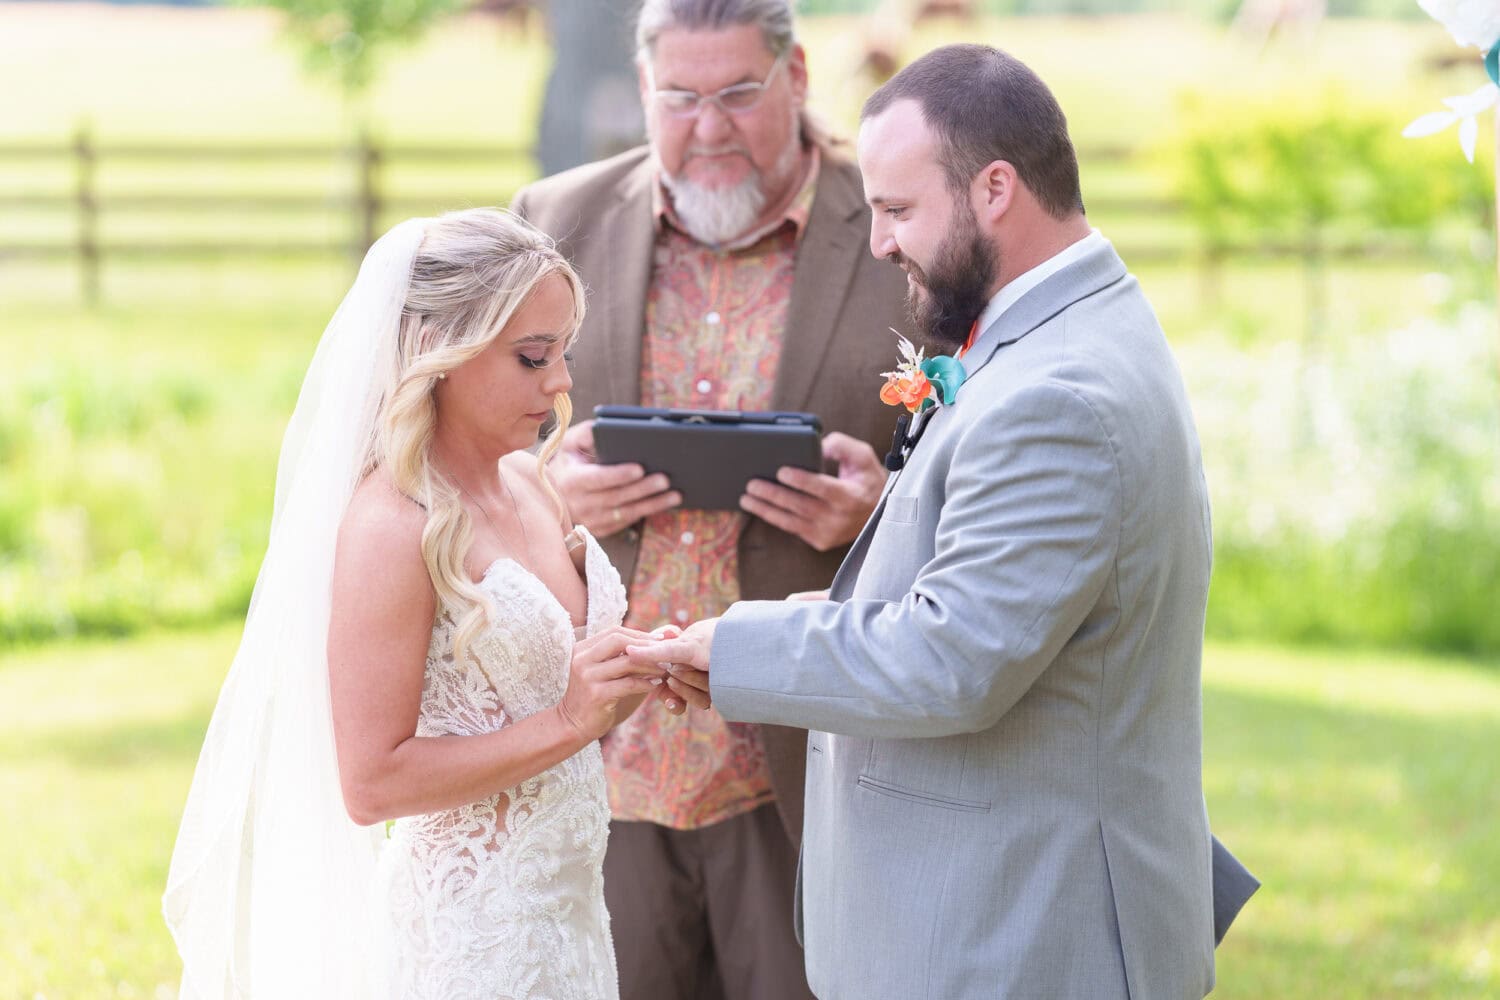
(919, 382)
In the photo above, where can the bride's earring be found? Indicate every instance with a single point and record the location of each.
(442, 375)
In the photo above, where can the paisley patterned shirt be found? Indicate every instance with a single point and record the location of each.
(714, 326)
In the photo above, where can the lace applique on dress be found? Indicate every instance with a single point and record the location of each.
(504, 899)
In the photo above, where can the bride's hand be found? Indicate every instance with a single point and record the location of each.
(600, 677)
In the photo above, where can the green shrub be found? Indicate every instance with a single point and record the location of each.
(1315, 169)
(131, 497)
(1356, 489)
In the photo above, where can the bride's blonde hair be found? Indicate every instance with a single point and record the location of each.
(473, 270)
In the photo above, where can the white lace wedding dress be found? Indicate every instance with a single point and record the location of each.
(504, 899)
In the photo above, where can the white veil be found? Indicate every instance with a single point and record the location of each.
(270, 889)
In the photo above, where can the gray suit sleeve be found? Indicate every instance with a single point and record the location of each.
(1024, 547)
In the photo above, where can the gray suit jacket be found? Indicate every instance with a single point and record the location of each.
(1004, 780)
(836, 346)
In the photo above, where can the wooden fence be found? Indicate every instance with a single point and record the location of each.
(363, 201)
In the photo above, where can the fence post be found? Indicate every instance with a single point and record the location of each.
(87, 157)
(368, 207)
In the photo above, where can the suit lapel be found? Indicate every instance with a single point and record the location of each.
(827, 257)
(629, 234)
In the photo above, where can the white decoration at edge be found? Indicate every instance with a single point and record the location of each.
(1461, 109)
(1470, 22)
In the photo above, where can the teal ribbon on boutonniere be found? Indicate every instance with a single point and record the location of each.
(946, 375)
(1492, 63)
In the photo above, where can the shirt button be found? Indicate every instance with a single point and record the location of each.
(704, 385)
(683, 617)
(687, 538)
(713, 319)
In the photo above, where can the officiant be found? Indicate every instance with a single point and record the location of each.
(727, 267)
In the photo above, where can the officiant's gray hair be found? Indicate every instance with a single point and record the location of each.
(777, 27)
(773, 17)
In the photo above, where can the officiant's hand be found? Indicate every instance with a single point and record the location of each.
(824, 511)
(606, 498)
(686, 657)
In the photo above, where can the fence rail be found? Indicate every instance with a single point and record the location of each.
(362, 204)
(366, 200)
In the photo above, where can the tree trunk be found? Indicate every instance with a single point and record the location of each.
(591, 108)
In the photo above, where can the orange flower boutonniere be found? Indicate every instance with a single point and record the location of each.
(918, 382)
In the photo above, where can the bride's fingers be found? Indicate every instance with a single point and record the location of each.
(611, 642)
(621, 665)
(612, 693)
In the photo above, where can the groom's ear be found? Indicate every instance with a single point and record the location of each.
(993, 190)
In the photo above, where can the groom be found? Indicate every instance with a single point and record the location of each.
(1004, 788)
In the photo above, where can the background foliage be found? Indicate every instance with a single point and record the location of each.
(1348, 415)
(137, 442)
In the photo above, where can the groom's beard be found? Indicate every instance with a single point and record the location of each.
(945, 302)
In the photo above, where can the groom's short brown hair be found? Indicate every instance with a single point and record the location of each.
(986, 105)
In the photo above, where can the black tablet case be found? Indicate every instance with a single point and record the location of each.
(709, 455)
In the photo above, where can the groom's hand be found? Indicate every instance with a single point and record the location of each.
(685, 658)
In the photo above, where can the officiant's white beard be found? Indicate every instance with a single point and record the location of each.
(716, 216)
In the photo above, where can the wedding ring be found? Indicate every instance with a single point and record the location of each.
(617, 515)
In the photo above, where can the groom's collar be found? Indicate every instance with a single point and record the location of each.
(1023, 283)
(1030, 300)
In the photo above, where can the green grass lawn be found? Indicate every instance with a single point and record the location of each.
(1363, 789)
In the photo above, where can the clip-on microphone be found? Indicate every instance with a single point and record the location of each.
(894, 460)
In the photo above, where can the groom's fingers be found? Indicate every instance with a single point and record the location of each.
(697, 698)
(683, 650)
(697, 679)
(674, 703)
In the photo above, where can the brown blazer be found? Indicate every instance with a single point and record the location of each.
(838, 341)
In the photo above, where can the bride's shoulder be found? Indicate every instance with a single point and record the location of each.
(382, 525)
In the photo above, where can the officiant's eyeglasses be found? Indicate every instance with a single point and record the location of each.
(735, 100)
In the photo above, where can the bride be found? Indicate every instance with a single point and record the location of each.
(429, 642)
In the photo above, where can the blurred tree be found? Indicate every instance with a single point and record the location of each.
(1260, 19)
(347, 39)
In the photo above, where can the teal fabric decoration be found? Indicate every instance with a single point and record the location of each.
(946, 374)
(1492, 63)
